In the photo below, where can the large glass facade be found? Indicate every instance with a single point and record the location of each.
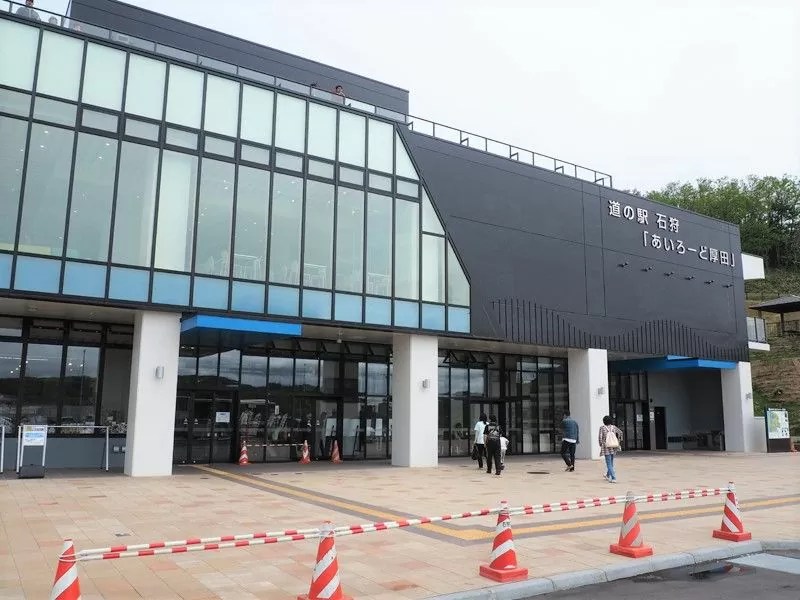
(527, 394)
(163, 183)
(65, 373)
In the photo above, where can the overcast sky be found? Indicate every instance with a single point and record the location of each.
(649, 91)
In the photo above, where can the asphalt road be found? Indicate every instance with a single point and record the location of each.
(717, 581)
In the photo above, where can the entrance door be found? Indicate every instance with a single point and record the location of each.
(661, 427)
(204, 428)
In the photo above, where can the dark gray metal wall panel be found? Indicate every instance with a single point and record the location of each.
(595, 281)
(146, 24)
(544, 254)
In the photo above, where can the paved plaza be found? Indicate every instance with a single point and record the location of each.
(97, 509)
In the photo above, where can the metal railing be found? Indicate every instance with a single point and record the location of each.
(415, 124)
(756, 330)
(789, 328)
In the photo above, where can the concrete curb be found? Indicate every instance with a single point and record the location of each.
(567, 581)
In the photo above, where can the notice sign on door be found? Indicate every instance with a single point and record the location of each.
(223, 417)
(34, 435)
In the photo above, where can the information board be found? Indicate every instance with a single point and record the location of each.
(34, 435)
(777, 423)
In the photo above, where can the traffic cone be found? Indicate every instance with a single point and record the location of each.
(732, 528)
(65, 585)
(503, 567)
(243, 460)
(630, 535)
(335, 458)
(325, 582)
(306, 458)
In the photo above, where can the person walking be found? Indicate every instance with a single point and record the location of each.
(492, 436)
(610, 439)
(570, 439)
(480, 446)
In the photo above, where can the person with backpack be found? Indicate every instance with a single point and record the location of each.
(610, 440)
(491, 436)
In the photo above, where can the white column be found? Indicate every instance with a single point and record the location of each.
(415, 401)
(737, 407)
(151, 403)
(588, 396)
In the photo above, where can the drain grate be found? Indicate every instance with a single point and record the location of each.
(538, 472)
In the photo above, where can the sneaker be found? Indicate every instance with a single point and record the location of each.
(567, 469)
(571, 469)
(612, 481)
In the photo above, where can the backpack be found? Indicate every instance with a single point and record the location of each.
(492, 432)
(612, 442)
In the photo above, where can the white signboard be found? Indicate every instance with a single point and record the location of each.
(34, 435)
(777, 424)
(223, 417)
(639, 418)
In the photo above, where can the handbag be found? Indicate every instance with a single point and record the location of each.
(474, 452)
(611, 440)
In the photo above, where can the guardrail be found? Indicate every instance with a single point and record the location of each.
(415, 124)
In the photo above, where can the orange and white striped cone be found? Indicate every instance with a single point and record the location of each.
(325, 584)
(630, 535)
(243, 459)
(732, 528)
(335, 458)
(306, 457)
(503, 567)
(65, 584)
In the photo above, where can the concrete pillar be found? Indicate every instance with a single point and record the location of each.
(737, 408)
(588, 396)
(415, 401)
(151, 404)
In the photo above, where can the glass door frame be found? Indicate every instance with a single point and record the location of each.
(231, 396)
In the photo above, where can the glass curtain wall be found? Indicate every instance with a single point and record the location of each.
(300, 390)
(66, 373)
(528, 394)
(172, 185)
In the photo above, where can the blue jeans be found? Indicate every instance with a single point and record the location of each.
(610, 473)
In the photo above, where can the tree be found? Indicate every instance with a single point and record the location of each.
(766, 209)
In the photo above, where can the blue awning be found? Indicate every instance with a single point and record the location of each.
(668, 363)
(234, 332)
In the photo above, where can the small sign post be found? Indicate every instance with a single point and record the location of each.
(31, 436)
(777, 424)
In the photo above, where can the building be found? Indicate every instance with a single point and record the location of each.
(201, 245)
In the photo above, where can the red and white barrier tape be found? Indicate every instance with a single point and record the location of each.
(201, 541)
(293, 535)
(683, 494)
(199, 547)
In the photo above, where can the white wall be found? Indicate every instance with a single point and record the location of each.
(415, 407)
(737, 407)
(588, 396)
(151, 405)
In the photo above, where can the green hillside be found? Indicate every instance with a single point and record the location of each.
(776, 374)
